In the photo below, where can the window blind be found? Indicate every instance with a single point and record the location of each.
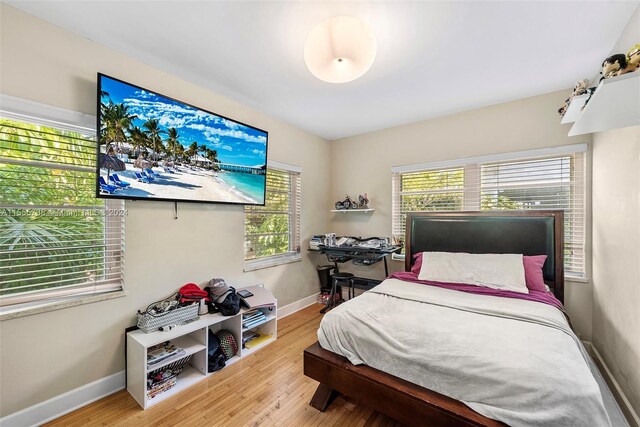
(274, 229)
(430, 190)
(543, 182)
(56, 238)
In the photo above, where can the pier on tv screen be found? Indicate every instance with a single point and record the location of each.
(153, 147)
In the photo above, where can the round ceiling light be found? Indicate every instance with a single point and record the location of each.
(340, 49)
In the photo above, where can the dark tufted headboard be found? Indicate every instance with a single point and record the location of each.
(515, 232)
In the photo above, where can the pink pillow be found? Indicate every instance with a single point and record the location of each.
(532, 270)
(417, 263)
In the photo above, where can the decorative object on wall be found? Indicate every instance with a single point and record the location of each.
(340, 49)
(579, 89)
(363, 201)
(613, 64)
(347, 203)
(633, 60)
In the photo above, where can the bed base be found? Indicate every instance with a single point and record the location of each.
(401, 400)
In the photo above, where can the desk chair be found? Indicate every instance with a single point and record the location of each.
(337, 280)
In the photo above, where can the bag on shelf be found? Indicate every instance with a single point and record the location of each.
(223, 297)
(228, 343)
(215, 357)
(229, 303)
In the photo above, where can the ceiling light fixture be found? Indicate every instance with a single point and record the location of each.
(340, 49)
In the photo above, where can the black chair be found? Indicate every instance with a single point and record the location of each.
(337, 280)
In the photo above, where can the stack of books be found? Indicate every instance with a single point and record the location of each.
(248, 336)
(162, 352)
(252, 319)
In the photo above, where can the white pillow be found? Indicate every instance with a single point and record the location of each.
(497, 271)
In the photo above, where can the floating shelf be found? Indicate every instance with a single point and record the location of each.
(615, 104)
(575, 109)
(352, 210)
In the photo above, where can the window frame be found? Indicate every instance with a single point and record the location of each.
(473, 189)
(38, 301)
(295, 214)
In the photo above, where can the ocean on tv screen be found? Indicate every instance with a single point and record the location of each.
(152, 146)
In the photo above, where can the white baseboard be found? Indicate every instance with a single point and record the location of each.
(67, 402)
(620, 397)
(70, 401)
(297, 306)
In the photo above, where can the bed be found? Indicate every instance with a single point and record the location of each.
(428, 355)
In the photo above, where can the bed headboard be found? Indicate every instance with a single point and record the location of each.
(516, 232)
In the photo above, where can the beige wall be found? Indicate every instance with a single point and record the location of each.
(363, 164)
(44, 355)
(616, 255)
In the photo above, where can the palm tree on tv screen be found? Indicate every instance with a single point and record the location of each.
(172, 141)
(202, 149)
(138, 139)
(192, 150)
(118, 120)
(154, 132)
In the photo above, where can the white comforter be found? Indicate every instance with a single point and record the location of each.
(511, 360)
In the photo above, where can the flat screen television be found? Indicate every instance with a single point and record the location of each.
(152, 147)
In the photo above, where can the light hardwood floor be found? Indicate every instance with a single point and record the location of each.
(265, 389)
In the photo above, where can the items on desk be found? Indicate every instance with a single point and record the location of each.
(328, 239)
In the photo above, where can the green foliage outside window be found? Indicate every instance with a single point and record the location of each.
(268, 229)
(42, 246)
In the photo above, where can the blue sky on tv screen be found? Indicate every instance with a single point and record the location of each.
(235, 143)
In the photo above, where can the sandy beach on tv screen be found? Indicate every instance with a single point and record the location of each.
(185, 183)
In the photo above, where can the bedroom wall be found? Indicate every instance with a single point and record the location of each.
(616, 256)
(363, 164)
(616, 252)
(44, 355)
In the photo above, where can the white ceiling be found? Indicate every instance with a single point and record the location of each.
(434, 58)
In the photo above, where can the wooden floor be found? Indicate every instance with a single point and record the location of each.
(264, 389)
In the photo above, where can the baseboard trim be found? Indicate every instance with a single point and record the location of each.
(74, 399)
(297, 306)
(618, 394)
(67, 402)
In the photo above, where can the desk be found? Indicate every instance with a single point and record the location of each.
(359, 255)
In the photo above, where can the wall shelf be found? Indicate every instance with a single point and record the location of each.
(352, 210)
(615, 104)
(575, 109)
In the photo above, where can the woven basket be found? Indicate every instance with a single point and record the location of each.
(180, 315)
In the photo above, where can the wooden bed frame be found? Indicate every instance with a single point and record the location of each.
(525, 232)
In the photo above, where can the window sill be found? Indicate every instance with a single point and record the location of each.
(576, 279)
(9, 313)
(260, 263)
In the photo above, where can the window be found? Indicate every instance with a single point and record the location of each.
(56, 239)
(430, 190)
(272, 232)
(538, 179)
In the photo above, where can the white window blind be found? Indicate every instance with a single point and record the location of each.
(555, 181)
(273, 231)
(545, 183)
(430, 190)
(56, 239)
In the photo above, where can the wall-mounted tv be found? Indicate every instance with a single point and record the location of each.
(152, 147)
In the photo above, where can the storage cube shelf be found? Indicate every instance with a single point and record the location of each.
(193, 339)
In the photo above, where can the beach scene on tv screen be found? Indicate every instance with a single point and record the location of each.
(154, 147)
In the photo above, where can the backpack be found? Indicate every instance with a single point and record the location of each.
(230, 306)
(216, 358)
